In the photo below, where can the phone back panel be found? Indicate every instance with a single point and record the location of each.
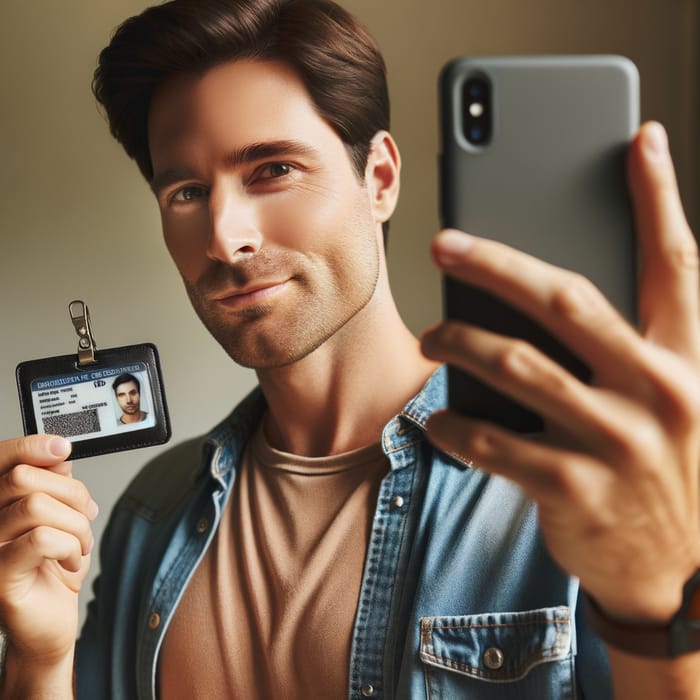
(551, 181)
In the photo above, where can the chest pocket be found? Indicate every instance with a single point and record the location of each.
(500, 656)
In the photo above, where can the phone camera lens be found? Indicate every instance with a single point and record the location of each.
(476, 110)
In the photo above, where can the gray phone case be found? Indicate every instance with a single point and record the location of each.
(551, 181)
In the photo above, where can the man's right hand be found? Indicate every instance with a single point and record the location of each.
(45, 544)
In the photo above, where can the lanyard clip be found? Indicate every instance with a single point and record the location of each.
(80, 315)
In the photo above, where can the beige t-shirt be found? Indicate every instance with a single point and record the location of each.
(269, 612)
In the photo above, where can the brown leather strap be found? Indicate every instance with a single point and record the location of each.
(641, 640)
(680, 636)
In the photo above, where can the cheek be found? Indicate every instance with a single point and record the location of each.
(187, 241)
(315, 218)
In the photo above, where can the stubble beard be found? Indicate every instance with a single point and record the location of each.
(253, 339)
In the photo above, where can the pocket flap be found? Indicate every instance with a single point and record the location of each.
(496, 646)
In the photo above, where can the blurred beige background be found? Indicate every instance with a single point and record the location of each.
(76, 221)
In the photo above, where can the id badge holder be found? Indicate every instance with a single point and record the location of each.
(101, 400)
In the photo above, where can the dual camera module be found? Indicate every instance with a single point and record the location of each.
(477, 115)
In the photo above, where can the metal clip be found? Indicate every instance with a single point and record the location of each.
(80, 315)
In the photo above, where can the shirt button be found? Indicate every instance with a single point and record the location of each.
(367, 690)
(154, 620)
(493, 658)
(202, 525)
(396, 502)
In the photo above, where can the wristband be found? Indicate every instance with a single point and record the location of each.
(681, 635)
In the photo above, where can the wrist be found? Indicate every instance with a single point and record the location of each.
(649, 595)
(668, 638)
(32, 678)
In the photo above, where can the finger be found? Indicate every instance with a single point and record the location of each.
(39, 450)
(28, 552)
(62, 468)
(519, 370)
(41, 510)
(23, 480)
(537, 468)
(567, 304)
(669, 282)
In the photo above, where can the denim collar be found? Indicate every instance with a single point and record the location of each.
(226, 441)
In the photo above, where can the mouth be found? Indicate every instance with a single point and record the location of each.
(250, 296)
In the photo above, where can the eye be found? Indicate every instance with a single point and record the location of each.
(189, 193)
(271, 171)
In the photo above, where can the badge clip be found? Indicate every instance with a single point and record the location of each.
(80, 315)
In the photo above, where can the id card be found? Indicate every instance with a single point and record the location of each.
(114, 402)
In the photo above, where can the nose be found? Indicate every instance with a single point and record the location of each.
(235, 230)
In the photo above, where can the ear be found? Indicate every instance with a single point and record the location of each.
(383, 175)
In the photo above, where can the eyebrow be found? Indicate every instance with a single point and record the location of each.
(251, 153)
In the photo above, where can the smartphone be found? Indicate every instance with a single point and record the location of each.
(533, 154)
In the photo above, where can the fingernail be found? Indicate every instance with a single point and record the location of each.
(93, 510)
(59, 447)
(451, 246)
(656, 140)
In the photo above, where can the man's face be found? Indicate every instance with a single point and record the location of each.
(129, 398)
(263, 214)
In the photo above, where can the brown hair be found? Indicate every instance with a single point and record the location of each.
(334, 55)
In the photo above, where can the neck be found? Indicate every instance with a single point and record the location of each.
(132, 417)
(341, 396)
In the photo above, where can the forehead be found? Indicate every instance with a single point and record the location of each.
(232, 105)
(127, 387)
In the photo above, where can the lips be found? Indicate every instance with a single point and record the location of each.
(249, 296)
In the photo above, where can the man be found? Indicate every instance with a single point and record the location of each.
(316, 544)
(127, 389)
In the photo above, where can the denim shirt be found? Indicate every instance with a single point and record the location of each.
(459, 597)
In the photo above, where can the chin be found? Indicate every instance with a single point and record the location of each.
(263, 355)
